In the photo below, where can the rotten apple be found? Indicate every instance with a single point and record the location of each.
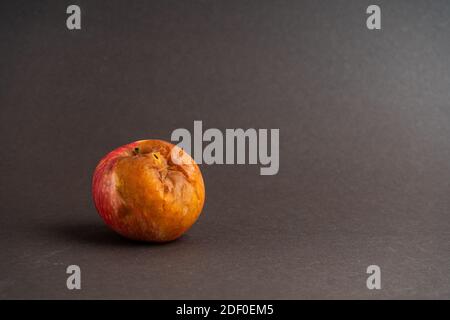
(148, 190)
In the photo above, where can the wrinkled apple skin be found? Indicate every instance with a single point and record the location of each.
(143, 193)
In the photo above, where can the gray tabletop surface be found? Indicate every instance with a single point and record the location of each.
(364, 119)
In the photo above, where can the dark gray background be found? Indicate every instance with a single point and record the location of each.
(364, 120)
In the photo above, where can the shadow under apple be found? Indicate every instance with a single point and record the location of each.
(96, 234)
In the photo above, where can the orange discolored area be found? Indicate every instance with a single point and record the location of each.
(149, 190)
